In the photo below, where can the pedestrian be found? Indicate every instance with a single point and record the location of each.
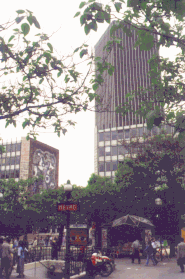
(154, 245)
(149, 251)
(34, 246)
(1, 243)
(135, 251)
(25, 247)
(54, 249)
(7, 259)
(20, 267)
(47, 240)
(181, 254)
(50, 240)
(15, 247)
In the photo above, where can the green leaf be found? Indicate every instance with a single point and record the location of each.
(118, 6)
(82, 4)
(20, 11)
(24, 78)
(77, 14)
(19, 19)
(50, 47)
(95, 86)
(25, 28)
(36, 23)
(29, 19)
(41, 80)
(83, 52)
(82, 19)
(93, 25)
(87, 29)
(25, 123)
(59, 73)
(99, 16)
(11, 38)
(107, 17)
(77, 49)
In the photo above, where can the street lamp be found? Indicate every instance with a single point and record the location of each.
(68, 189)
(158, 201)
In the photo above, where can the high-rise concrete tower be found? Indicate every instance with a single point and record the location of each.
(130, 73)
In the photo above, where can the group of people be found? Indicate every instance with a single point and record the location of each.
(12, 252)
(150, 251)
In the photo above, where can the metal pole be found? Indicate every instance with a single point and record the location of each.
(67, 258)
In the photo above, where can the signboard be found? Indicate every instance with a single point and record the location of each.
(183, 233)
(78, 237)
(67, 207)
(78, 226)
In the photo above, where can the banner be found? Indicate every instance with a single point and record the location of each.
(78, 237)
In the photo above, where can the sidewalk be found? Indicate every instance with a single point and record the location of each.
(124, 269)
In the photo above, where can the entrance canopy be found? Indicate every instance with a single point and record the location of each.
(131, 220)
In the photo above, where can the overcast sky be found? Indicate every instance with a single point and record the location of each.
(77, 146)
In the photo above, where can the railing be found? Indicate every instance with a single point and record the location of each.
(77, 256)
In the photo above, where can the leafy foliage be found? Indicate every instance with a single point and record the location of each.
(153, 23)
(40, 87)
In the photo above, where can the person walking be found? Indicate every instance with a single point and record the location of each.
(15, 247)
(135, 251)
(20, 268)
(7, 260)
(34, 246)
(154, 245)
(54, 249)
(25, 246)
(181, 254)
(149, 251)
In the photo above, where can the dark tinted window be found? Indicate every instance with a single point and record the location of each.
(120, 134)
(101, 136)
(7, 160)
(114, 150)
(101, 151)
(107, 151)
(12, 161)
(13, 147)
(114, 165)
(17, 160)
(107, 136)
(122, 150)
(3, 174)
(101, 167)
(108, 168)
(18, 146)
(7, 174)
(127, 134)
(8, 147)
(12, 173)
(114, 135)
(140, 130)
(16, 173)
(133, 132)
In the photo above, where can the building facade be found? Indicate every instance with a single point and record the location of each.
(131, 69)
(28, 158)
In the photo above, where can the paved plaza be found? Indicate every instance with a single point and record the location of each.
(126, 270)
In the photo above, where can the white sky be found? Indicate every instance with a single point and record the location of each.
(77, 146)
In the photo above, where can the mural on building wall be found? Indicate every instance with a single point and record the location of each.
(44, 163)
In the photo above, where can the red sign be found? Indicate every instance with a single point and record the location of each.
(67, 207)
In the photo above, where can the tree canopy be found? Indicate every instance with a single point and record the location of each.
(38, 86)
(156, 22)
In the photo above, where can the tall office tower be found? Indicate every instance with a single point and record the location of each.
(130, 73)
